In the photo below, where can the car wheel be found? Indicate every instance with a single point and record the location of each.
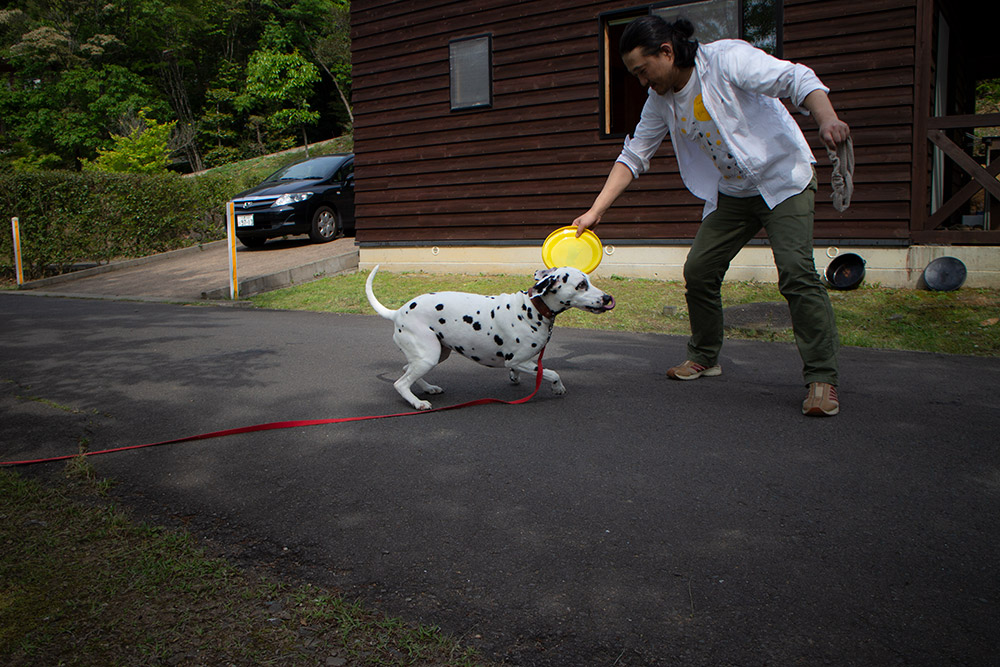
(252, 241)
(325, 225)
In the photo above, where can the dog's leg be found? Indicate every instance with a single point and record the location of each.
(423, 352)
(425, 386)
(532, 368)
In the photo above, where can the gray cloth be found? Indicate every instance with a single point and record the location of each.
(842, 179)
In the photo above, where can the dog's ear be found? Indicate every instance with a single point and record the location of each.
(544, 280)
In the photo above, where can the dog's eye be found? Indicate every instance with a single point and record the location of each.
(582, 287)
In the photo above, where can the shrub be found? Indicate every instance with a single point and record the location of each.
(66, 218)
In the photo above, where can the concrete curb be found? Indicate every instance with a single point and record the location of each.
(331, 266)
(117, 266)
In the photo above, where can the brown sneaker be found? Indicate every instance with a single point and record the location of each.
(822, 400)
(692, 371)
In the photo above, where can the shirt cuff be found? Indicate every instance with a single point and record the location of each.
(635, 162)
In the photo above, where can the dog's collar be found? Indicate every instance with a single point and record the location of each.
(542, 309)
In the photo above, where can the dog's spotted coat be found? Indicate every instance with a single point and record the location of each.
(503, 331)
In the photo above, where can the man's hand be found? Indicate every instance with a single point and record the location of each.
(832, 130)
(618, 180)
(586, 221)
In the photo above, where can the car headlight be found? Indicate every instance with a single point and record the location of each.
(292, 198)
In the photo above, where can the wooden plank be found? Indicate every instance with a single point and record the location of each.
(557, 175)
(899, 76)
(923, 84)
(962, 122)
(850, 25)
(958, 237)
(444, 145)
(799, 12)
(468, 18)
(518, 110)
(877, 98)
(676, 209)
(860, 62)
(566, 54)
(887, 39)
(492, 196)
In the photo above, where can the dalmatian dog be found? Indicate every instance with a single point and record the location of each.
(503, 331)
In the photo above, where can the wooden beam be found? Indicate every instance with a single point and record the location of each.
(965, 121)
(957, 237)
(922, 87)
(965, 161)
(960, 197)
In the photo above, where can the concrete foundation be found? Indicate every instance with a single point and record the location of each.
(884, 266)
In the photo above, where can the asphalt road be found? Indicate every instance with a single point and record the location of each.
(633, 521)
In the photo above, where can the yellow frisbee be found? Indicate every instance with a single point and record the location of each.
(563, 248)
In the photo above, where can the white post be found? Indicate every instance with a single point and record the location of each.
(16, 231)
(234, 289)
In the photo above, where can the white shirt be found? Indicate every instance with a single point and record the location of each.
(740, 87)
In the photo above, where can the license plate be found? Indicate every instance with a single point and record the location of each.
(244, 220)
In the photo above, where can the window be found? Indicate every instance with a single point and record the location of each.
(345, 172)
(712, 19)
(756, 21)
(470, 63)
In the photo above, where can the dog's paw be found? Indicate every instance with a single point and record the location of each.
(515, 377)
(558, 388)
(422, 405)
(433, 389)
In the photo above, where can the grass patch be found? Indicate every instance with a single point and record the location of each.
(959, 322)
(82, 584)
(252, 171)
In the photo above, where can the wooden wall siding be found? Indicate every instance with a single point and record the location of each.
(536, 160)
(864, 51)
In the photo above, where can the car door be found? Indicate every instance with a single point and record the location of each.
(337, 192)
(346, 176)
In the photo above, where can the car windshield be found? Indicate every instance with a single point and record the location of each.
(322, 167)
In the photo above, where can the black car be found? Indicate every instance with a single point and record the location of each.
(314, 197)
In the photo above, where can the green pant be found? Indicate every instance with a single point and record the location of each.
(789, 227)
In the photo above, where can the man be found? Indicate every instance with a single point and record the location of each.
(741, 152)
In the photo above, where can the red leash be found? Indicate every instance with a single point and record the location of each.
(271, 426)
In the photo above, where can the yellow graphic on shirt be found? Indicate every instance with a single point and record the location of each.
(698, 126)
(700, 112)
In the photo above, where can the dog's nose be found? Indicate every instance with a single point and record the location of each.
(609, 301)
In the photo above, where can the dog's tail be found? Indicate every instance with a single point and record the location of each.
(379, 308)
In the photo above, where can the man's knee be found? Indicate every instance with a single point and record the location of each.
(699, 273)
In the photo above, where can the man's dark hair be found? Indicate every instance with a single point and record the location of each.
(649, 32)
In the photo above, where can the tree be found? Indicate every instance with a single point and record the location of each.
(71, 69)
(280, 84)
(324, 29)
(988, 102)
(217, 125)
(144, 150)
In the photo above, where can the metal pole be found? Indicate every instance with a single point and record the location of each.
(234, 288)
(16, 231)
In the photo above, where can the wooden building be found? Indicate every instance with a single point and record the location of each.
(482, 125)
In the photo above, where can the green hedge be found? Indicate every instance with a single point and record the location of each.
(68, 218)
